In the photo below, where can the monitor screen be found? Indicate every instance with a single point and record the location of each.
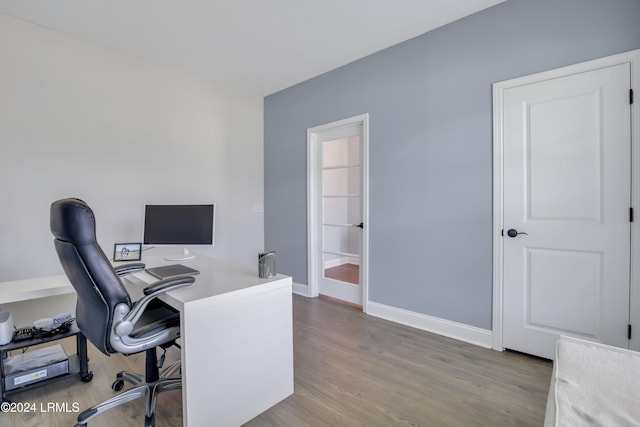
(178, 225)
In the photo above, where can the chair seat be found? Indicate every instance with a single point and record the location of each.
(157, 317)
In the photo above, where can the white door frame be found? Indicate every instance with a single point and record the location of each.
(312, 203)
(633, 58)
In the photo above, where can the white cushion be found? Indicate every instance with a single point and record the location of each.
(593, 385)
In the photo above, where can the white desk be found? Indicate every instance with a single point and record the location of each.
(28, 289)
(237, 337)
(33, 299)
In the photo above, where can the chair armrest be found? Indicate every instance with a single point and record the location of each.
(153, 291)
(125, 325)
(165, 285)
(123, 270)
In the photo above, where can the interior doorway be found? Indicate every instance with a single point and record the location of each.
(337, 231)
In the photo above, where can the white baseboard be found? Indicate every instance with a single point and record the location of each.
(333, 263)
(339, 261)
(459, 331)
(300, 289)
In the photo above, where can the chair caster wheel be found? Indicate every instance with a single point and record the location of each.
(150, 421)
(117, 385)
(87, 378)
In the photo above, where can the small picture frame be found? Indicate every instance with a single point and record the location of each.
(127, 252)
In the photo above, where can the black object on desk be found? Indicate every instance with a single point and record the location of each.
(78, 363)
(173, 270)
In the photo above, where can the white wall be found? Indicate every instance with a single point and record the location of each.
(81, 120)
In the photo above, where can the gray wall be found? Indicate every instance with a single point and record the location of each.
(429, 101)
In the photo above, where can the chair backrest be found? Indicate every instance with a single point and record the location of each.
(98, 287)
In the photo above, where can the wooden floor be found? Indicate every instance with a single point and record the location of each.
(345, 272)
(71, 391)
(350, 370)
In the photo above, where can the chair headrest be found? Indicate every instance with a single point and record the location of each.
(72, 220)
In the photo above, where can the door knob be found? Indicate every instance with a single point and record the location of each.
(512, 232)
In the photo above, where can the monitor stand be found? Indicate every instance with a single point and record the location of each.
(185, 255)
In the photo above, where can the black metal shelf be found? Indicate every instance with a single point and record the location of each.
(78, 363)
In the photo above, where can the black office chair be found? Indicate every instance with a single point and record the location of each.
(105, 313)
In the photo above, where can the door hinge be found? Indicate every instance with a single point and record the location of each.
(630, 96)
(630, 214)
(629, 332)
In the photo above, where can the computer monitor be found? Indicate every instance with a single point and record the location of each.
(179, 225)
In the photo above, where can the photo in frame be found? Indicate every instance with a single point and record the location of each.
(127, 252)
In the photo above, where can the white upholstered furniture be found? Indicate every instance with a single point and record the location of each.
(593, 385)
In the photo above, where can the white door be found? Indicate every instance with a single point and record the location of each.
(338, 203)
(566, 210)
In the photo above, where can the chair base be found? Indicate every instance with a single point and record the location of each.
(147, 387)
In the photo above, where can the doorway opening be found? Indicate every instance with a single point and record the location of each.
(338, 210)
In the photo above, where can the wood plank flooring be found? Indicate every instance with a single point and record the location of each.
(346, 272)
(350, 370)
(356, 370)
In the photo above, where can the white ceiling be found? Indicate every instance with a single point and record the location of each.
(259, 46)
